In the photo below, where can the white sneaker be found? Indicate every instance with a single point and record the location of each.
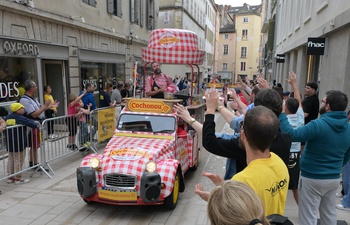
(10, 180)
(22, 181)
(341, 207)
(339, 195)
(53, 136)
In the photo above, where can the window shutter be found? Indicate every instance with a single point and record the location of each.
(136, 11)
(271, 35)
(110, 6)
(132, 10)
(119, 8)
(148, 13)
(155, 25)
(92, 2)
(142, 13)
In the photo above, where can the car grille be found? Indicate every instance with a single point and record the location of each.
(120, 181)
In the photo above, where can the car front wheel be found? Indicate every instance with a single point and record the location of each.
(171, 201)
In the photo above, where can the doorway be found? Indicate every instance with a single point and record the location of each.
(55, 76)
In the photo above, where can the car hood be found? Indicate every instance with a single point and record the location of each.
(135, 149)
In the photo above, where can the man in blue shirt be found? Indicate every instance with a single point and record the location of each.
(88, 98)
(326, 151)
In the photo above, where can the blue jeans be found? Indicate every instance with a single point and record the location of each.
(346, 185)
(230, 163)
(94, 129)
(84, 135)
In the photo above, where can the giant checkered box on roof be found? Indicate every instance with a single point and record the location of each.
(173, 46)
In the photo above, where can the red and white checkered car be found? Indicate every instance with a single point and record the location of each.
(143, 163)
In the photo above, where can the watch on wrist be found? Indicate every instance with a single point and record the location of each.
(192, 120)
(220, 107)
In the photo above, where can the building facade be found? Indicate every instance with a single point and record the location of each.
(227, 53)
(197, 16)
(68, 43)
(313, 37)
(248, 30)
(217, 42)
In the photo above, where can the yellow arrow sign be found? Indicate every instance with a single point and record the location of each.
(143, 105)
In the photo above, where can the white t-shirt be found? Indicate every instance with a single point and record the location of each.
(117, 96)
(31, 105)
(296, 120)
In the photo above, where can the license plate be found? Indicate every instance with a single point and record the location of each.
(118, 195)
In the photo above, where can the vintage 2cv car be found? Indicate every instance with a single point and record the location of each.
(145, 161)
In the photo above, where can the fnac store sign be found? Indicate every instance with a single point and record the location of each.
(143, 105)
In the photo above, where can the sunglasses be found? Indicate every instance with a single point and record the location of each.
(241, 125)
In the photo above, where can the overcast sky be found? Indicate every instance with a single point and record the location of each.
(237, 2)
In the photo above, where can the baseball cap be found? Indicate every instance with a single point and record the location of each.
(16, 106)
(286, 93)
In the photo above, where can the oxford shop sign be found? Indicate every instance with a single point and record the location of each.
(20, 48)
(315, 46)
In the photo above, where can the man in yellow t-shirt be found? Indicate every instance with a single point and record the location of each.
(269, 178)
(266, 173)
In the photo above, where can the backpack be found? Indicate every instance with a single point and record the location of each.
(276, 219)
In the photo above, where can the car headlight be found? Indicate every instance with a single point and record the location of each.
(94, 162)
(151, 166)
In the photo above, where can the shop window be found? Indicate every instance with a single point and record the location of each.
(100, 73)
(13, 73)
(90, 2)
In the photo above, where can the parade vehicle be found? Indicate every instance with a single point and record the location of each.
(145, 161)
(218, 86)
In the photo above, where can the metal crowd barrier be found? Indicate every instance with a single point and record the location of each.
(57, 142)
(15, 154)
(54, 142)
(102, 123)
(98, 126)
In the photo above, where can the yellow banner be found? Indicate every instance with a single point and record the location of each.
(118, 196)
(215, 85)
(106, 123)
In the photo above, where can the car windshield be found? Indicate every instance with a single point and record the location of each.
(149, 123)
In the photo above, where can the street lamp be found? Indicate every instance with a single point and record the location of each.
(130, 39)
